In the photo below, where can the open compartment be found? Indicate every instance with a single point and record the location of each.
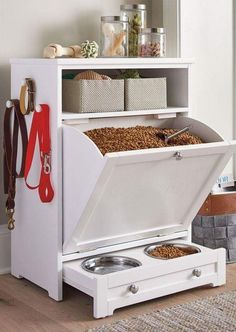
(171, 84)
(127, 196)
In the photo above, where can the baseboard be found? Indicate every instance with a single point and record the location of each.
(5, 250)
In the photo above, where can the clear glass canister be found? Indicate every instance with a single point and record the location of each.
(137, 16)
(152, 42)
(114, 36)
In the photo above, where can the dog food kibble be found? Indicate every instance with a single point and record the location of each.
(137, 138)
(169, 251)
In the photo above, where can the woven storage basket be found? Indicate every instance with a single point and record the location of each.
(215, 225)
(87, 96)
(145, 93)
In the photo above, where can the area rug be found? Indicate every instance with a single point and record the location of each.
(212, 314)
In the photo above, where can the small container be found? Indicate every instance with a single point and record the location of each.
(114, 36)
(152, 42)
(137, 18)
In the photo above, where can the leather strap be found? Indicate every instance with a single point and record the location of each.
(27, 90)
(40, 130)
(219, 204)
(10, 145)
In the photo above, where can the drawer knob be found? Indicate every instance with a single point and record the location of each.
(133, 289)
(197, 273)
(178, 155)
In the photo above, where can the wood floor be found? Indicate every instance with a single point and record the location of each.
(26, 307)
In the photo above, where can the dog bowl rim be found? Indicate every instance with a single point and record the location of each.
(148, 248)
(109, 258)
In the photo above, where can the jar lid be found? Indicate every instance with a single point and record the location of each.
(131, 7)
(152, 30)
(114, 19)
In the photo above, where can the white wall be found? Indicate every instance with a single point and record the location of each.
(165, 14)
(27, 26)
(207, 36)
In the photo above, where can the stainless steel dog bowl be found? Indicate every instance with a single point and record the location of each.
(109, 264)
(189, 249)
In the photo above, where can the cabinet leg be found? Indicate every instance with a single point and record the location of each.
(18, 276)
(100, 303)
(100, 309)
(56, 294)
(15, 273)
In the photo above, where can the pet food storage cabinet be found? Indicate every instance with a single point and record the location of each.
(118, 203)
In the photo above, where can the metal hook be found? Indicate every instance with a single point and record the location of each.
(10, 224)
(46, 163)
(9, 103)
(38, 108)
(11, 220)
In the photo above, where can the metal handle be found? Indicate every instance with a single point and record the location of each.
(133, 288)
(178, 155)
(167, 138)
(197, 273)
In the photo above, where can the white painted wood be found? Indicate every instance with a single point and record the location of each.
(5, 250)
(99, 189)
(164, 112)
(37, 238)
(73, 63)
(127, 245)
(100, 305)
(165, 116)
(154, 278)
(84, 177)
(221, 268)
(92, 182)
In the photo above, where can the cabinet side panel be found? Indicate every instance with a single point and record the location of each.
(37, 238)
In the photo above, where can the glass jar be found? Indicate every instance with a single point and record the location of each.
(137, 16)
(152, 42)
(114, 36)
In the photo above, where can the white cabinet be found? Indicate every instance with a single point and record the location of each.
(119, 202)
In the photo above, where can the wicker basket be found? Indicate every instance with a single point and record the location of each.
(87, 96)
(145, 94)
(215, 225)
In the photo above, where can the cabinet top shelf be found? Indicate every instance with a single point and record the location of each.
(67, 63)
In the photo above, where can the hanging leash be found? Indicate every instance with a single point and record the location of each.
(40, 130)
(10, 146)
(27, 92)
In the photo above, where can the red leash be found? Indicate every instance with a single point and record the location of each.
(40, 129)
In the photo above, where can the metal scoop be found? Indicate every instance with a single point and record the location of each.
(166, 138)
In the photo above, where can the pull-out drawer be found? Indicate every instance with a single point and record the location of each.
(153, 279)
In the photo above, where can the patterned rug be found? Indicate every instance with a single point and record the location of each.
(212, 314)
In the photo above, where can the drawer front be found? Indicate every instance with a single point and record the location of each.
(150, 288)
(161, 269)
